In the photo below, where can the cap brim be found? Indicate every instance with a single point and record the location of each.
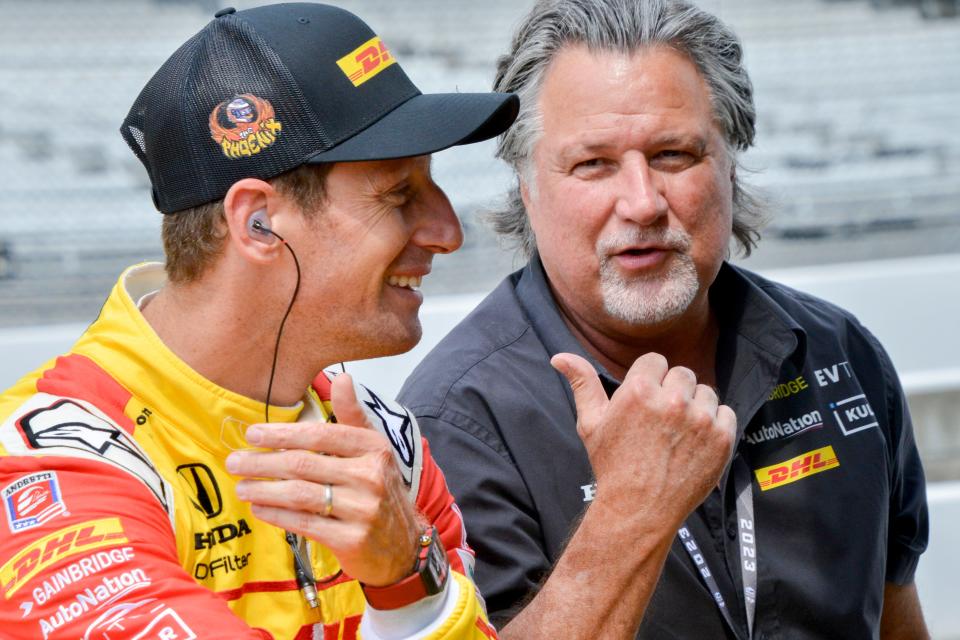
(428, 123)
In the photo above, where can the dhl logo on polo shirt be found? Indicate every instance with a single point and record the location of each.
(366, 61)
(55, 547)
(805, 464)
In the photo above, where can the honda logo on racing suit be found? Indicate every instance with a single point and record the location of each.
(205, 493)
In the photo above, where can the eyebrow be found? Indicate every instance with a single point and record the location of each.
(400, 180)
(669, 140)
(694, 140)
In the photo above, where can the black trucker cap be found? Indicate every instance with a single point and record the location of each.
(262, 91)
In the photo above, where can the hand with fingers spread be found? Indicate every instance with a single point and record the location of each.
(352, 499)
(659, 444)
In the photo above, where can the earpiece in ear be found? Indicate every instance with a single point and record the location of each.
(258, 226)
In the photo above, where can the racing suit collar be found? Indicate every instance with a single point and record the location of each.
(122, 341)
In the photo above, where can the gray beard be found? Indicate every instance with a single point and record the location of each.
(648, 300)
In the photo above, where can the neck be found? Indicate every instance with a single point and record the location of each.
(689, 341)
(228, 343)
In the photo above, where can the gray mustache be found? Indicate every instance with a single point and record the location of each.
(673, 239)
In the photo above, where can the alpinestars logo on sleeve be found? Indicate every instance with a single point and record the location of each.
(397, 427)
(67, 424)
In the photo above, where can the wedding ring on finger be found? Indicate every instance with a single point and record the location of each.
(327, 499)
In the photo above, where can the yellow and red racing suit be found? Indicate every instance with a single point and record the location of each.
(120, 520)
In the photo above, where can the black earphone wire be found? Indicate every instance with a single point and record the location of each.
(276, 348)
(302, 571)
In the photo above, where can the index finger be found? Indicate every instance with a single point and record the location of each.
(322, 437)
(650, 368)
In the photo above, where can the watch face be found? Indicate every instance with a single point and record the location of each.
(437, 567)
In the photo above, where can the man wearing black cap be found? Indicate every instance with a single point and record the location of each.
(290, 154)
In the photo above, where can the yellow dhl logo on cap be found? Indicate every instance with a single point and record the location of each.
(53, 548)
(366, 61)
(805, 464)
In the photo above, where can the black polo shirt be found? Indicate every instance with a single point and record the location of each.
(837, 484)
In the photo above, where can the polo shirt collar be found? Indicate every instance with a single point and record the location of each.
(756, 335)
(540, 307)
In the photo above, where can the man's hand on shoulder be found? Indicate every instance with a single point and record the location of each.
(372, 527)
(659, 445)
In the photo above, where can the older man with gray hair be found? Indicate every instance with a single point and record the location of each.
(645, 439)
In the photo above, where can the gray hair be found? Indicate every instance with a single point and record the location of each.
(624, 26)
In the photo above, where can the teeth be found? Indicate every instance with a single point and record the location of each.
(408, 282)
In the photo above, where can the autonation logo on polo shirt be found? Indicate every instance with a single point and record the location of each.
(786, 428)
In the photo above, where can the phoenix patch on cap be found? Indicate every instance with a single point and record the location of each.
(244, 126)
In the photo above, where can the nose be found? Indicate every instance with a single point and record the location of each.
(438, 228)
(640, 194)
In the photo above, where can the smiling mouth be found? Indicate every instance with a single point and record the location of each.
(405, 282)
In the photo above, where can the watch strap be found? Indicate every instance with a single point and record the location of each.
(430, 572)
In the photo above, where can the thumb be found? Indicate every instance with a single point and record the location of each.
(346, 407)
(588, 393)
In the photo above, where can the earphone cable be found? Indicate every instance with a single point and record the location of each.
(276, 347)
(304, 575)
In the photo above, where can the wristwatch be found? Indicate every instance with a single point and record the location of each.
(430, 572)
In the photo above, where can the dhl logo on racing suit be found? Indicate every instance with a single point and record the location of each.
(366, 61)
(805, 464)
(55, 547)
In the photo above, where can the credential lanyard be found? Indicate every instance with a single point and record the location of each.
(748, 549)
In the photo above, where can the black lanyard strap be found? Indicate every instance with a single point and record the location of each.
(743, 486)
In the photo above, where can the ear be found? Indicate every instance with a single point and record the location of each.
(244, 199)
(524, 193)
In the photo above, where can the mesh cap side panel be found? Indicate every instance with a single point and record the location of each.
(206, 122)
(135, 124)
